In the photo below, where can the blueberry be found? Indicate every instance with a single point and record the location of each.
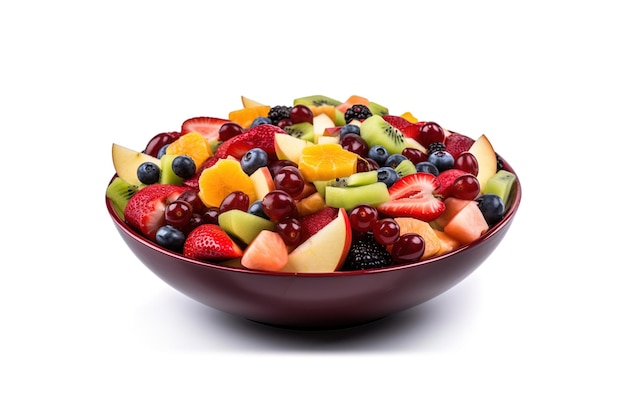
(387, 175)
(443, 160)
(148, 173)
(162, 151)
(394, 160)
(170, 238)
(254, 159)
(426, 166)
(379, 154)
(349, 129)
(261, 121)
(256, 208)
(492, 207)
(184, 166)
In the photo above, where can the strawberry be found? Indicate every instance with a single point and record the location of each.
(446, 181)
(145, 210)
(457, 143)
(314, 222)
(207, 126)
(210, 242)
(408, 129)
(414, 196)
(261, 136)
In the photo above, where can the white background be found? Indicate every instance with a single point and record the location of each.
(536, 330)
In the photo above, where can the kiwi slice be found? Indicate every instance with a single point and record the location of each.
(167, 174)
(317, 100)
(302, 131)
(405, 167)
(119, 192)
(242, 225)
(378, 109)
(376, 131)
(362, 178)
(501, 184)
(349, 197)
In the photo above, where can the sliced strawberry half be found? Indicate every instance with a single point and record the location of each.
(408, 129)
(208, 127)
(457, 143)
(145, 210)
(210, 242)
(414, 196)
(261, 136)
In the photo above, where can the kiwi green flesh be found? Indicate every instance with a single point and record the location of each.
(302, 131)
(376, 131)
(242, 225)
(317, 100)
(167, 174)
(501, 184)
(349, 197)
(405, 167)
(378, 109)
(119, 192)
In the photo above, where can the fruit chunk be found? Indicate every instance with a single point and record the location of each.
(267, 252)
(206, 126)
(414, 196)
(261, 136)
(321, 122)
(119, 192)
(263, 182)
(221, 179)
(192, 144)
(326, 161)
(243, 225)
(468, 224)
(289, 147)
(501, 184)
(210, 242)
(325, 251)
(457, 143)
(349, 197)
(244, 117)
(167, 174)
(145, 210)
(448, 244)
(453, 207)
(487, 161)
(126, 161)
(422, 228)
(248, 102)
(376, 131)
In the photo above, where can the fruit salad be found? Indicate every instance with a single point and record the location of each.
(317, 185)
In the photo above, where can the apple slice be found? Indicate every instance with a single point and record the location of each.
(325, 251)
(126, 161)
(321, 122)
(248, 102)
(263, 182)
(289, 147)
(487, 161)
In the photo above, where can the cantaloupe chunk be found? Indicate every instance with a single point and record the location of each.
(448, 244)
(267, 252)
(468, 224)
(413, 225)
(453, 206)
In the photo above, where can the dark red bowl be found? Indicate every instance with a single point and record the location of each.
(317, 301)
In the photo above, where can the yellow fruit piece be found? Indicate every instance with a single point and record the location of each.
(413, 225)
(221, 179)
(244, 117)
(326, 161)
(310, 204)
(192, 144)
(408, 116)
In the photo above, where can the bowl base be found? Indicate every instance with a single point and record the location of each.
(321, 328)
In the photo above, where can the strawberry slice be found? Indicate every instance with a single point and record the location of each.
(145, 210)
(457, 143)
(208, 127)
(210, 242)
(314, 222)
(408, 129)
(414, 196)
(261, 136)
(446, 181)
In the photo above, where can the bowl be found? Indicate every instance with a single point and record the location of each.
(312, 300)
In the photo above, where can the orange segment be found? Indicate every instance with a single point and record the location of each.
(244, 117)
(326, 161)
(219, 180)
(413, 225)
(192, 144)
(408, 116)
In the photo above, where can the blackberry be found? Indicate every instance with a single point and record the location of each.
(278, 113)
(367, 253)
(357, 112)
(436, 147)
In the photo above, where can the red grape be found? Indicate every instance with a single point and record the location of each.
(431, 132)
(415, 155)
(301, 114)
(278, 204)
(289, 179)
(466, 161)
(363, 217)
(229, 130)
(160, 140)
(466, 187)
(410, 247)
(290, 230)
(237, 200)
(386, 231)
(178, 213)
(354, 143)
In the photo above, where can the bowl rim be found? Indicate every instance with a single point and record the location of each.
(512, 208)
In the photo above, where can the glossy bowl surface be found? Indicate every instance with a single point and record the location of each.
(316, 301)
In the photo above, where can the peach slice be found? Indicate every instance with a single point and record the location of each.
(487, 161)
